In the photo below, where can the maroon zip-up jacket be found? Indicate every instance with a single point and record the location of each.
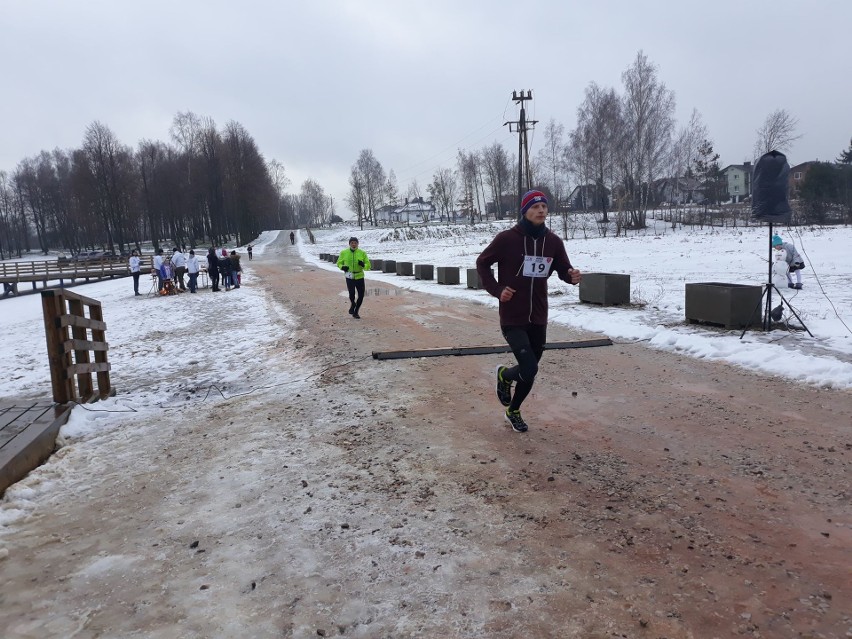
(508, 250)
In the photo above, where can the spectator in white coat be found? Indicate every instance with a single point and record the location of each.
(179, 262)
(134, 263)
(157, 268)
(192, 267)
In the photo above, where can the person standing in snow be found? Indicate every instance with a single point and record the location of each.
(179, 262)
(526, 256)
(292, 237)
(157, 267)
(193, 268)
(134, 264)
(236, 269)
(249, 249)
(213, 269)
(795, 263)
(225, 272)
(353, 261)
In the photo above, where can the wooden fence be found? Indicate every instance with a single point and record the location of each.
(70, 355)
(44, 271)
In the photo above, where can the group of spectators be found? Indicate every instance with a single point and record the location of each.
(170, 271)
(225, 267)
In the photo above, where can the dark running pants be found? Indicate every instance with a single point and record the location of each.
(353, 285)
(527, 343)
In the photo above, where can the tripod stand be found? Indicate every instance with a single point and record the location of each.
(767, 293)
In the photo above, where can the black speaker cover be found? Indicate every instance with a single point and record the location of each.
(769, 188)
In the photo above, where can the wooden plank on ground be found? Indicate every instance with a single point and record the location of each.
(34, 443)
(484, 350)
(12, 421)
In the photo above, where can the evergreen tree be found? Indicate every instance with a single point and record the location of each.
(707, 172)
(846, 156)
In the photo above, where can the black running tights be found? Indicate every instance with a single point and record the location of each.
(355, 285)
(527, 343)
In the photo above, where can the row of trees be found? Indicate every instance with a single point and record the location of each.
(826, 192)
(624, 144)
(208, 185)
(464, 189)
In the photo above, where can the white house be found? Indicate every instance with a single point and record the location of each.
(738, 181)
(414, 212)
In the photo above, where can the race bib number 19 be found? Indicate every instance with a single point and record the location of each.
(537, 266)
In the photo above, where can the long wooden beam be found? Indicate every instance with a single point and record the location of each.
(484, 350)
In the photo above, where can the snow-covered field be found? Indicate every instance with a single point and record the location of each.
(660, 262)
(155, 337)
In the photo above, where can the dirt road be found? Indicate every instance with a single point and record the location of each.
(654, 496)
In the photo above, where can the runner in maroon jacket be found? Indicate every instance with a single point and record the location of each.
(526, 255)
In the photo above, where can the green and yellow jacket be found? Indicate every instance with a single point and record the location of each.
(350, 258)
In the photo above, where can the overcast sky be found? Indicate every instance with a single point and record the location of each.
(315, 82)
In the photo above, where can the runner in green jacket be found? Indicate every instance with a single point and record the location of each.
(353, 262)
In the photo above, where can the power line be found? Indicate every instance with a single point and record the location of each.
(451, 147)
(434, 167)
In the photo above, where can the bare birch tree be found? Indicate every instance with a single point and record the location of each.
(684, 153)
(372, 176)
(496, 165)
(186, 133)
(600, 135)
(113, 171)
(442, 190)
(391, 189)
(649, 121)
(280, 181)
(467, 170)
(357, 196)
(777, 133)
(550, 161)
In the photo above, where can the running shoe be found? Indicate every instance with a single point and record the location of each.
(517, 422)
(504, 389)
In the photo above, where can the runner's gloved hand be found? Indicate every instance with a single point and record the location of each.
(345, 269)
(361, 263)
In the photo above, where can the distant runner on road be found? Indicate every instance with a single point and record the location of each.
(353, 262)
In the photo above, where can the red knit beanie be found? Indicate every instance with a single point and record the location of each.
(530, 198)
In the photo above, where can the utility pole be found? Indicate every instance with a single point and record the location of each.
(521, 127)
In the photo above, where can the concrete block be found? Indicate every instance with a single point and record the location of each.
(729, 305)
(389, 266)
(404, 268)
(607, 289)
(424, 272)
(448, 275)
(473, 280)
